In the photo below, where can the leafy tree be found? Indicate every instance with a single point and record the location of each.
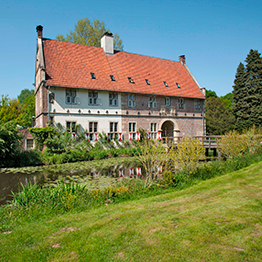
(40, 134)
(210, 93)
(247, 94)
(90, 33)
(24, 94)
(218, 118)
(28, 111)
(10, 109)
(10, 143)
(228, 100)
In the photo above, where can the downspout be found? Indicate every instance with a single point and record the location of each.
(48, 111)
(203, 117)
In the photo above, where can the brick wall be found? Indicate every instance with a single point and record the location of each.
(41, 106)
(186, 122)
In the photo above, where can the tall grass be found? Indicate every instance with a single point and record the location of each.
(212, 169)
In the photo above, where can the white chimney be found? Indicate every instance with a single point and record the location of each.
(107, 43)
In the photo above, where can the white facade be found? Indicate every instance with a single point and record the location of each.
(82, 112)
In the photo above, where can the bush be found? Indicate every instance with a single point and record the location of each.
(29, 158)
(232, 145)
(98, 154)
(186, 155)
(10, 144)
(211, 169)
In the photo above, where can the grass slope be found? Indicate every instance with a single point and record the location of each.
(216, 220)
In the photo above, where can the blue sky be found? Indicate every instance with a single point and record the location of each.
(215, 36)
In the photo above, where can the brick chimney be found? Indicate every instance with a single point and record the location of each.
(182, 59)
(39, 30)
(107, 43)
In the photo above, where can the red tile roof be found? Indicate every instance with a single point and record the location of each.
(70, 65)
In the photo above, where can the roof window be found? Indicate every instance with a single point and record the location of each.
(131, 80)
(112, 78)
(93, 75)
(165, 83)
(178, 85)
(147, 81)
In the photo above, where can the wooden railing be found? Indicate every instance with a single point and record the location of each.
(207, 141)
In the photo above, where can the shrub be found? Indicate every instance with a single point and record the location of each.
(186, 155)
(98, 154)
(10, 144)
(232, 145)
(151, 154)
(29, 158)
(40, 134)
(253, 137)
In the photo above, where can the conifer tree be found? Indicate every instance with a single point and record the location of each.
(254, 85)
(240, 94)
(247, 94)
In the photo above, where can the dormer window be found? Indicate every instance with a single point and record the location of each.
(178, 85)
(112, 78)
(93, 75)
(131, 80)
(147, 81)
(165, 83)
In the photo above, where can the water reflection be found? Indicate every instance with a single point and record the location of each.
(99, 178)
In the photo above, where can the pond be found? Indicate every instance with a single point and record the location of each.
(95, 174)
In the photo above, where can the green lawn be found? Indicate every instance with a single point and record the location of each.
(216, 220)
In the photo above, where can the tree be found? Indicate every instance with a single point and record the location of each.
(210, 93)
(254, 85)
(228, 100)
(10, 109)
(28, 111)
(247, 94)
(24, 94)
(218, 118)
(10, 143)
(90, 33)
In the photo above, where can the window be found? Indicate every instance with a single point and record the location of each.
(29, 144)
(93, 75)
(197, 104)
(71, 126)
(181, 103)
(153, 130)
(113, 99)
(93, 128)
(70, 96)
(51, 98)
(131, 80)
(178, 85)
(132, 129)
(167, 101)
(113, 129)
(131, 100)
(112, 78)
(92, 97)
(165, 83)
(152, 102)
(147, 81)
(51, 120)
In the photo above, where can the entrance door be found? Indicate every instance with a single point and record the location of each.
(168, 129)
